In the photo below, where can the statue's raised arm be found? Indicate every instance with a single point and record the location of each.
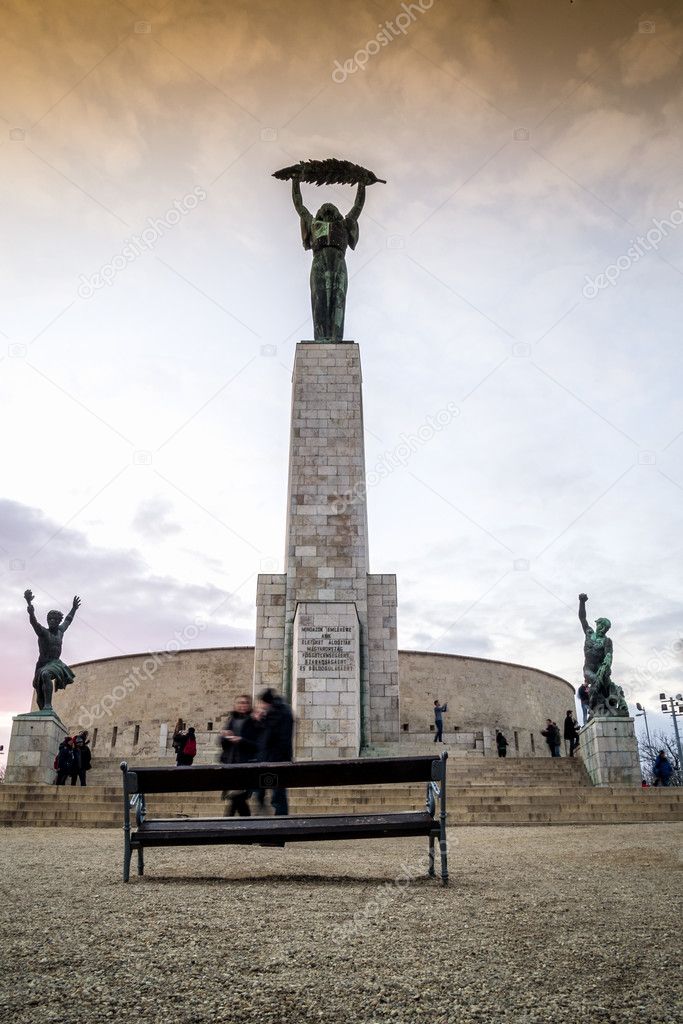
(356, 210)
(582, 613)
(297, 199)
(304, 213)
(70, 616)
(35, 625)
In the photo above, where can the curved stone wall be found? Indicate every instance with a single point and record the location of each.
(134, 701)
(482, 696)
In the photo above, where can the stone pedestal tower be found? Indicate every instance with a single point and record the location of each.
(326, 628)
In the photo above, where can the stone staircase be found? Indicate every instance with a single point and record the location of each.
(458, 743)
(485, 791)
(106, 772)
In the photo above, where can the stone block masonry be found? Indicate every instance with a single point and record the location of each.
(609, 750)
(326, 680)
(271, 590)
(326, 558)
(381, 707)
(34, 743)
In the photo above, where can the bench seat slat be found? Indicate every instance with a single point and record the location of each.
(203, 831)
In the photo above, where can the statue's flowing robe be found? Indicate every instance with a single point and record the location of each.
(50, 647)
(60, 672)
(329, 278)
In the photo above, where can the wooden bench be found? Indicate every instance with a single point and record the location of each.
(276, 831)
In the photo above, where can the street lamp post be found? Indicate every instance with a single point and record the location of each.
(643, 713)
(674, 706)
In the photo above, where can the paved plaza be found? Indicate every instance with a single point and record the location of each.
(538, 925)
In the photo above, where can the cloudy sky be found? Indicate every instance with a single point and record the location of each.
(523, 267)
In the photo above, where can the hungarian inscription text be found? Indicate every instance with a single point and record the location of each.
(327, 649)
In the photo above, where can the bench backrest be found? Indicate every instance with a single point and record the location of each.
(368, 771)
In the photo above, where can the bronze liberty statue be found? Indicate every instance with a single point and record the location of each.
(605, 698)
(328, 234)
(50, 669)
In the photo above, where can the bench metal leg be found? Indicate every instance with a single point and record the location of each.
(126, 825)
(141, 861)
(127, 853)
(442, 824)
(431, 871)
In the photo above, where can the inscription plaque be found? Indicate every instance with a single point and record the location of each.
(326, 649)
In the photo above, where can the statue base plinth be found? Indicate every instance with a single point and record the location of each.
(609, 750)
(33, 746)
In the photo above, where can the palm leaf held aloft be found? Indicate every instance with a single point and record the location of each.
(328, 172)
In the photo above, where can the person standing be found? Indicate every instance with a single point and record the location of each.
(83, 760)
(552, 737)
(239, 744)
(577, 733)
(583, 698)
(662, 770)
(438, 721)
(179, 737)
(570, 729)
(557, 737)
(188, 751)
(66, 761)
(275, 744)
(501, 744)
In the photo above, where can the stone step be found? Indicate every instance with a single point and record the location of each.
(45, 797)
(555, 817)
(473, 765)
(490, 772)
(92, 807)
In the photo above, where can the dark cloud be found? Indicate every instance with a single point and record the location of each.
(126, 607)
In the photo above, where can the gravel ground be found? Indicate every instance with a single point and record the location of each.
(537, 925)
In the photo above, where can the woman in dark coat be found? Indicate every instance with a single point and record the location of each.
(571, 734)
(67, 762)
(239, 744)
(188, 751)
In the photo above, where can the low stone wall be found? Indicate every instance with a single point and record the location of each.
(133, 702)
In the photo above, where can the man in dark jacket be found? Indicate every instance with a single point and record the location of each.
(552, 737)
(275, 744)
(83, 760)
(501, 744)
(571, 734)
(439, 710)
(239, 744)
(662, 770)
(584, 697)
